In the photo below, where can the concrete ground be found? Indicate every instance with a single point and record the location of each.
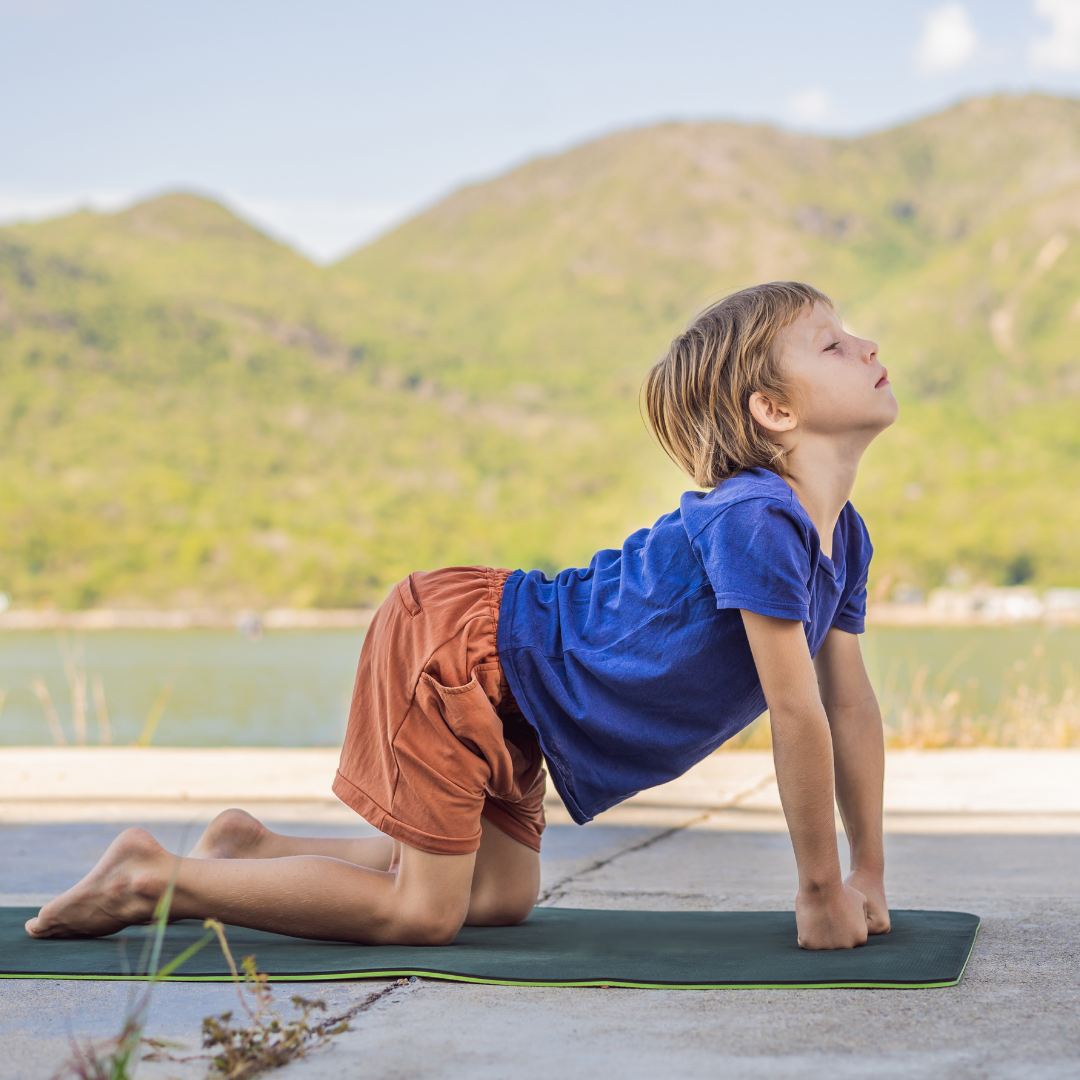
(1016, 1013)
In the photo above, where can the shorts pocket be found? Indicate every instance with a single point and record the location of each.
(470, 715)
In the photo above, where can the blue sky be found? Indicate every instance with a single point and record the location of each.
(325, 121)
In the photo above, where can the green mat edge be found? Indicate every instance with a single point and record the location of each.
(422, 973)
(613, 984)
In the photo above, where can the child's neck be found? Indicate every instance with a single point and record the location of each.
(822, 473)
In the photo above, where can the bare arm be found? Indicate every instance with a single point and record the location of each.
(830, 914)
(858, 763)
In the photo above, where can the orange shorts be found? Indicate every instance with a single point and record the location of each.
(435, 738)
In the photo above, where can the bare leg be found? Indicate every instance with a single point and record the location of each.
(235, 834)
(423, 900)
(506, 879)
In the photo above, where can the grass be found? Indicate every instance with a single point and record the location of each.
(265, 1041)
(82, 705)
(1035, 709)
(117, 1058)
(233, 1051)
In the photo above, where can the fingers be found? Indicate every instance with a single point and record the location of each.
(878, 923)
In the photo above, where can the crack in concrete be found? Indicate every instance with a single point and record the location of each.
(559, 887)
(411, 984)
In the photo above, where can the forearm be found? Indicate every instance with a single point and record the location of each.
(830, 913)
(859, 766)
(803, 755)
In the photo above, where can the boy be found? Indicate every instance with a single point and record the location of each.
(622, 675)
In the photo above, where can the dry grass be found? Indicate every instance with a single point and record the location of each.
(117, 1058)
(265, 1042)
(234, 1051)
(86, 690)
(1034, 710)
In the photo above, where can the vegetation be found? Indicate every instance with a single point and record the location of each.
(1035, 709)
(235, 1051)
(266, 1041)
(1031, 712)
(118, 1058)
(192, 414)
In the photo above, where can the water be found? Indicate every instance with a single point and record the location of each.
(980, 660)
(292, 688)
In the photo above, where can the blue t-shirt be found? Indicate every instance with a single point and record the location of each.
(635, 668)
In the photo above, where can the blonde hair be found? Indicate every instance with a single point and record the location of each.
(697, 396)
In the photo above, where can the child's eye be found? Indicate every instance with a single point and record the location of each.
(834, 345)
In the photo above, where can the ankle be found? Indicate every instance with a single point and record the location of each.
(145, 886)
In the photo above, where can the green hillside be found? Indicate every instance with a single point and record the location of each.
(194, 414)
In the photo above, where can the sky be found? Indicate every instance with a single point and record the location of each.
(325, 122)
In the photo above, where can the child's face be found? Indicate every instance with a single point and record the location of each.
(840, 386)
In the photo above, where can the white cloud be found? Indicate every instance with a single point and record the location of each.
(813, 103)
(948, 40)
(1061, 50)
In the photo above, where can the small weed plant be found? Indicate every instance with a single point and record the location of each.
(234, 1051)
(117, 1058)
(265, 1041)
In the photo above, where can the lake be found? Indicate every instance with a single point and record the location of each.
(292, 688)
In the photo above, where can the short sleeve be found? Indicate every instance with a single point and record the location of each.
(757, 557)
(851, 616)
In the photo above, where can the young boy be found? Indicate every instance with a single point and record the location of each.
(622, 675)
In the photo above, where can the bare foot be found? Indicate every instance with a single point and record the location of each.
(233, 834)
(120, 891)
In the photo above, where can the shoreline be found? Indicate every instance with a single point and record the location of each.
(247, 621)
(254, 622)
(930, 615)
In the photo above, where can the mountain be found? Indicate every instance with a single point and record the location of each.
(192, 413)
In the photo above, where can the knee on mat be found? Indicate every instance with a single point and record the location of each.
(432, 928)
(499, 910)
(422, 922)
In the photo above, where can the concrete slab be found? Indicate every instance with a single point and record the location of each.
(1014, 1014)
(38, 1019)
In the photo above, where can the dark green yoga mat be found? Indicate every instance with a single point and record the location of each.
(554, 947)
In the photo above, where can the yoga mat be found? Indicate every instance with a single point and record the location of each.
(553, 947)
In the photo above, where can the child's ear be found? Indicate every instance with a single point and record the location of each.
(771, 414)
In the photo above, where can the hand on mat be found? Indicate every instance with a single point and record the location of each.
(831, 919)
(877, 909)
